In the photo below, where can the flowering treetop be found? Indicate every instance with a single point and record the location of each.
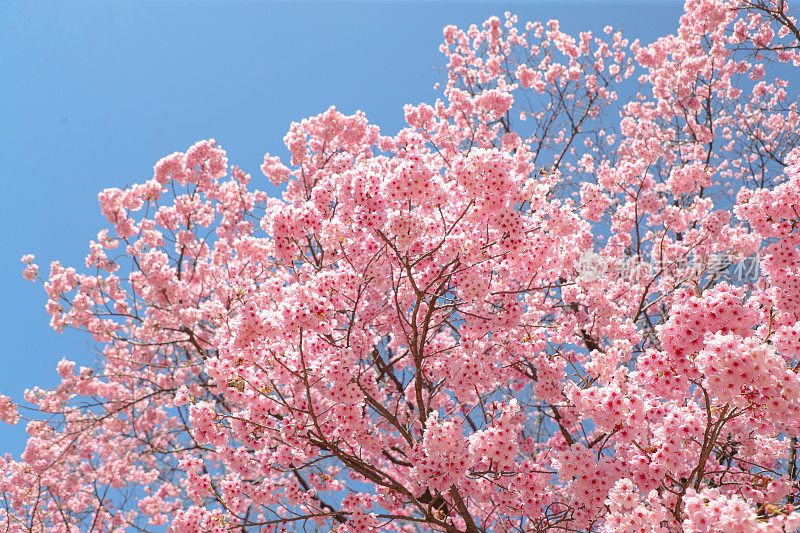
(431, 330)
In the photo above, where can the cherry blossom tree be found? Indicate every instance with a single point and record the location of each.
(528, 310)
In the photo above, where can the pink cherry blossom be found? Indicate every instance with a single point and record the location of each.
(409, 339)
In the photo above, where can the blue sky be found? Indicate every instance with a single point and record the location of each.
(92, 94)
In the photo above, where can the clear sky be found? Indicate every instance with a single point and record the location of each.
(93, 93)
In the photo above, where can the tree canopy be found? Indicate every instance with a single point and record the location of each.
(566, 297)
